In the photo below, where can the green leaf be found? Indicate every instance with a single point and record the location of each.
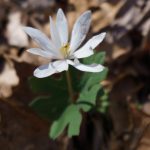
(96, 58)
(92, 86)
(89, 95)
(50, 107)
(87, 98)
(103, 101)
(71, 118)
(48, 84)
(55, 91)
(90, 83)
(95, 77)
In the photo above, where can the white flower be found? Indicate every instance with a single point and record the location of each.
(62, 51)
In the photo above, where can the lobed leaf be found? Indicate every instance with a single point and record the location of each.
(70, 119)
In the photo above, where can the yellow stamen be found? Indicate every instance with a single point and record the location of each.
(65, 49)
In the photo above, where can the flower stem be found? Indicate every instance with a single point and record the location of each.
(70, 89)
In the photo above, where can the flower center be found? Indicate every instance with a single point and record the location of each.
(65, 49)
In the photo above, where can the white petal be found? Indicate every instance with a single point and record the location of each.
(84, 52)
(44, 71)
(87, 68)
(60, 65)
(51, 68)
(40, 52)
(80, 30)
(62, 26)
(54, 34)
(41, 39)
(87, 49)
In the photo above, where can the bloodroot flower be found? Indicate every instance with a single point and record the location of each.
(60, 49)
